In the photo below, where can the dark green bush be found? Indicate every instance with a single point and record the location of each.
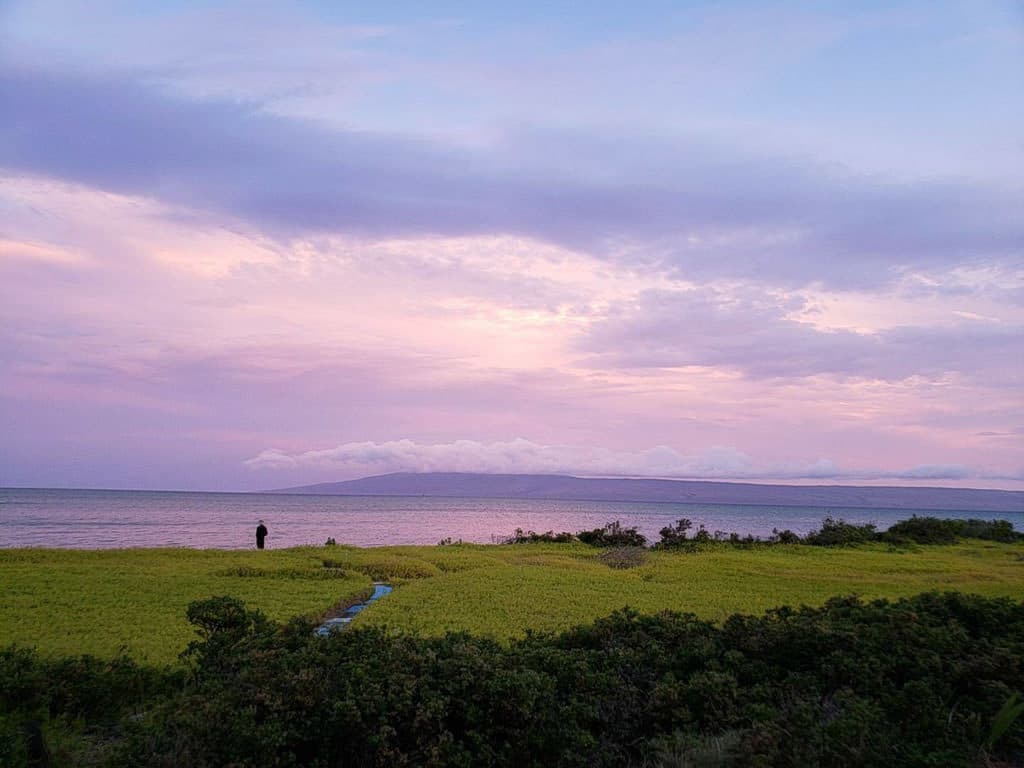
(13, 744)
(914, 530)
(86, 699)
(837, 533)
(990, 530)
(674, 536)
(785, 537)
(925, 530)
(532, 537)
(613, 535)
(702, 536)
(833, 532)
(743, 542)
(918, 682)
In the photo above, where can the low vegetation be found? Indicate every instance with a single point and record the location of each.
(532, 537)
(623, 557)
(103, 602)
(833, 532)
(928, 681)
(933, 530)
(524, 655)
(614, 534)
(505, 592)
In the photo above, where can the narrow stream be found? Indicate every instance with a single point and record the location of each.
(340, 622)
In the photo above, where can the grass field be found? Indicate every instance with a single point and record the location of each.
(72, 601)
(95, 601)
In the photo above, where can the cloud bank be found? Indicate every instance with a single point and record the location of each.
(522, 456)
(689, 206)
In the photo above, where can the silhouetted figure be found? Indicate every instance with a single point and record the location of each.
(261, 534)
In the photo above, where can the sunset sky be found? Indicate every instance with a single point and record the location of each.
(249, 246)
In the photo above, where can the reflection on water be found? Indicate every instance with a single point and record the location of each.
(99, 519)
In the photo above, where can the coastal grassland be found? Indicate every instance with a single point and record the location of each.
(73, 601)
(505, 591)
(98, 601)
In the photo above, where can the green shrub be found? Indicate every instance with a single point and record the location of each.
(785, 537)
(934, 530)
(837, 533)
(926, 681)
(83, 701)
(702, 536)
(990, 530)
(743, 542)
(925, 530)
(674, 536)
(532, 537)
(14, 742)
(612, 535)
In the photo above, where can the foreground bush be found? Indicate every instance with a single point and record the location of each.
(926, 681)
(55, 711)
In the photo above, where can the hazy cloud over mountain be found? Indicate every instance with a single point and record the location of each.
(524, 457)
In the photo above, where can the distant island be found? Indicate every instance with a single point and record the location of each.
(570, 488)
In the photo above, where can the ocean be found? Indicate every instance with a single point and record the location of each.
(92, 519)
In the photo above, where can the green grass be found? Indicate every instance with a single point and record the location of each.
(70, 601)
(551, 587)
(82, 601)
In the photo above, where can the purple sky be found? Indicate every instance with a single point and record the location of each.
(250, 246)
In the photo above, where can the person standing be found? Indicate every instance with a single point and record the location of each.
(261, 534)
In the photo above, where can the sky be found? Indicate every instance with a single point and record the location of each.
(247, 246)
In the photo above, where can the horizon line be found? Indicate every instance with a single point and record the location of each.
(766, 481)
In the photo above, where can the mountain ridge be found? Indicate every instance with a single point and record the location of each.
(640, 490)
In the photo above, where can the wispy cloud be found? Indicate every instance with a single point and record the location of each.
(757, 335)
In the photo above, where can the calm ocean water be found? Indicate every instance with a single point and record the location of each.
(98, 519)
